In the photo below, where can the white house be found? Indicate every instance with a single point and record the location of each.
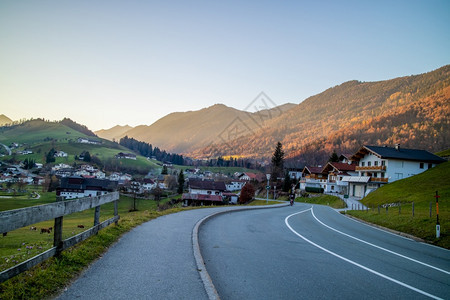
(235, 185)
(78, 187)
(336, 171)
(313, 179)
(380, 165)
(60, 154)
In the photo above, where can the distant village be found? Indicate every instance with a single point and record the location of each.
(349, 175)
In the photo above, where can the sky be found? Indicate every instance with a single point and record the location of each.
(107, 63)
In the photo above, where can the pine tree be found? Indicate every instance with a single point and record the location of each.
(334, 157)
(277, 162)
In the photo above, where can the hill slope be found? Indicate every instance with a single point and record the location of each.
(409, 110)
(5, 120)
(40, 136)
(183, 132)
(114, 133)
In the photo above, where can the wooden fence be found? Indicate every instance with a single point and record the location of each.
(18, 218)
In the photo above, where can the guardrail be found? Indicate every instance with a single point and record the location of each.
(18, 218)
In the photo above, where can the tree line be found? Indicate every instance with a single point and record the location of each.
(147, 150)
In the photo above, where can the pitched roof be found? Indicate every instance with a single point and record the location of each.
(207, 185)
(343, 166)
(399, 153)
(313, 170)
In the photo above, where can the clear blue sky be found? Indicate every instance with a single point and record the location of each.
(103, 63)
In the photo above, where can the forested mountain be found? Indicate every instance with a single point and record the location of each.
(413, 111)
(183, 132)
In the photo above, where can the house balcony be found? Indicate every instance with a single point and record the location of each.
(380, 180)
(370, 168)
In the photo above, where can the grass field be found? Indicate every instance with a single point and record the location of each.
(420, 190)
(24, 243)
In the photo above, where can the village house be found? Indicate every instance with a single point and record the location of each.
(381, 165)
(335, 172)
(126, 155)
(313, 180)
(204, 192)
(235, 185)
(149, 184)
(88, 141)
(252, 177)
(60, 154)
(79, 187)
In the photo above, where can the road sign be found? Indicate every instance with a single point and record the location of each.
(268, 187)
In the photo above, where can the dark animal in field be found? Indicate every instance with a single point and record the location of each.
(80, 226)
(48, 230)
(33, 228)
(5, 233)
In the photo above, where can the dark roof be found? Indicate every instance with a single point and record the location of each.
(400, 153)
(312, 170)
(207, 185)
(77, 182)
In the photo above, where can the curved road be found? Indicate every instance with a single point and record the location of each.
(152, 261)
(314, 252)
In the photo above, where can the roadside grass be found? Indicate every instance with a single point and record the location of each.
(328, 200)
(262, 202)
(49, 278)
(420, 190)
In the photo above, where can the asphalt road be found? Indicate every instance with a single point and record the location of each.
(153, 261)
(313, 252)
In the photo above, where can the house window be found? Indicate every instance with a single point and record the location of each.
(209, 192)
(369, 163)
(375, 175)
(362, 164)
(430, 166)
(376, 163)
(383, 162)
(382, 175)
(421, 165)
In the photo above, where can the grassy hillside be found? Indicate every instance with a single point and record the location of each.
(41, 136)
(400, 195)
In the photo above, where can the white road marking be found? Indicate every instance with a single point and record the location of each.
(352, 262)
(378, 247)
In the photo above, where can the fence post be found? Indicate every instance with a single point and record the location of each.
(57, 236)
(97, 216)
(413, 208)
(431, 208)
(387, 208)
(116, 211)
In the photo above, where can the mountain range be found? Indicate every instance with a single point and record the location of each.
(413, 111)
(184, 132)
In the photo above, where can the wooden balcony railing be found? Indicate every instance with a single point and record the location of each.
(375, 179)
(371, 168)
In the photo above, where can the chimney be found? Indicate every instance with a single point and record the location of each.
(397, 147)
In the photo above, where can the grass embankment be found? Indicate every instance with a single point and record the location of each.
(52, 275)
(328, 200)
(420, 190)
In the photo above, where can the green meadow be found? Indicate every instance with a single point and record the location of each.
(400, 195)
